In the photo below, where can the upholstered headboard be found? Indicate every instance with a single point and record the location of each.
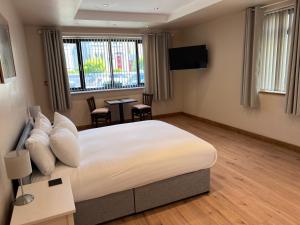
(24, 135)
(21, 145)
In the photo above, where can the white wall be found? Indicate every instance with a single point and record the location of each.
(214, 93)
(79, 112)
(15, 95)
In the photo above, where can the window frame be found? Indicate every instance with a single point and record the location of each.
(82, 87)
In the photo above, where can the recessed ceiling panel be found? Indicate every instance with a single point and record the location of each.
(141, 6)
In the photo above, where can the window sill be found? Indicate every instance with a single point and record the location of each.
(272, 93)
(108, 90)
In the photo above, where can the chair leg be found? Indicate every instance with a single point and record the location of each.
(109, 118)
(132, 115)
(151, 114)
(93, 121)
(141, 116)
(96, 120)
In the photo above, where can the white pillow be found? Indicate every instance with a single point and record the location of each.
(40, 152)
(67, 125)
(41, 115)
(38, 131)
(43, 123)
(65, 146)
(61, 121)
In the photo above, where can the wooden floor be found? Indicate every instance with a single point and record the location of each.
(253, 182)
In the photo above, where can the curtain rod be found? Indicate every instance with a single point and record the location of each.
(107, 34)
(39, 31)
(101, 33)
(275, 3)
(267, 12)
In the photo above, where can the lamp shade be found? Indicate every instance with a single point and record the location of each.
(18, 164)
(34, 111)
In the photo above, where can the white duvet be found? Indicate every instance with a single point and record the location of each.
(126, 156)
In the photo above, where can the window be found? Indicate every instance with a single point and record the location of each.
(104, 63)
(276, 40)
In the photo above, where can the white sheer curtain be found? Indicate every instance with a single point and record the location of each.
(275, 50)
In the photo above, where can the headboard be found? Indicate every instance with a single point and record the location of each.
(21, 145)
(24, 135)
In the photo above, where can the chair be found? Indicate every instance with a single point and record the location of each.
(98, 114)
(143, 110)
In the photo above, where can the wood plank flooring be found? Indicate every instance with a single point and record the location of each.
(253, 182)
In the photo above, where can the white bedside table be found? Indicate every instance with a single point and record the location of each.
(51, 205)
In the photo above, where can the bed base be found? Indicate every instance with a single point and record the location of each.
(139, 199)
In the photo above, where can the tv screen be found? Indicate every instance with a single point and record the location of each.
(192, 57)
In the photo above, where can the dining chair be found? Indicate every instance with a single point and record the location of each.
(142, 111)
(102, 115)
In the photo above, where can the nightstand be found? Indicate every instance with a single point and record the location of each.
(51, 205)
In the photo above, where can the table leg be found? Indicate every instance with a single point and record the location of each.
(121, 113)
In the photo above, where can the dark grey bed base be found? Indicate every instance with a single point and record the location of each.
(136, 200)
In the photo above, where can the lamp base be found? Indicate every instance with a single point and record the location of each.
(24, 199)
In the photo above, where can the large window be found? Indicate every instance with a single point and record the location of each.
(104, 63)
(276, 38)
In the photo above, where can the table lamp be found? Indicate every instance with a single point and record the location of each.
(18, 166)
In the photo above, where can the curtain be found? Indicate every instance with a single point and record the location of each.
(252, 43)
(275, 50)
(293, 82)
(56, 70)
(158, 80)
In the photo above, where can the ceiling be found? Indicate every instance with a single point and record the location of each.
(126, 13)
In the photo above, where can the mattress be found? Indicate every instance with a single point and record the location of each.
(126, 156)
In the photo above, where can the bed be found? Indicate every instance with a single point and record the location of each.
(129, 168)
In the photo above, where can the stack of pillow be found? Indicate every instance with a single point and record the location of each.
(46, 143)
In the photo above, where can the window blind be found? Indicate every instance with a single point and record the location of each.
(275, 50)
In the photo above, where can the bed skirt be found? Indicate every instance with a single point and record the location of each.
(139, 199)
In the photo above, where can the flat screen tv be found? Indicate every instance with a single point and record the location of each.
(192, 57)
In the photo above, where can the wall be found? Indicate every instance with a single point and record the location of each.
(15, 95)
(79, 112)
(214, 93)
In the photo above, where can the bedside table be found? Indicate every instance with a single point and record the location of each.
(51, 205)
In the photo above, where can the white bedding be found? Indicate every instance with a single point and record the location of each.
(122, 157)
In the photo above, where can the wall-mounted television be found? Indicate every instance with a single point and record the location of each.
(192, 57)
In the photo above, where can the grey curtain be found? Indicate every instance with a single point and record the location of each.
(293, 76)
(56, 70)
(158, 79)
(252, 43)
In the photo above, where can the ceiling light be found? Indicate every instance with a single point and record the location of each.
(106, 5)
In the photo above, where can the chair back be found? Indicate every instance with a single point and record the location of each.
(147, 99)
(91, 103)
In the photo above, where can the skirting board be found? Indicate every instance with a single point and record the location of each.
(248, 133)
